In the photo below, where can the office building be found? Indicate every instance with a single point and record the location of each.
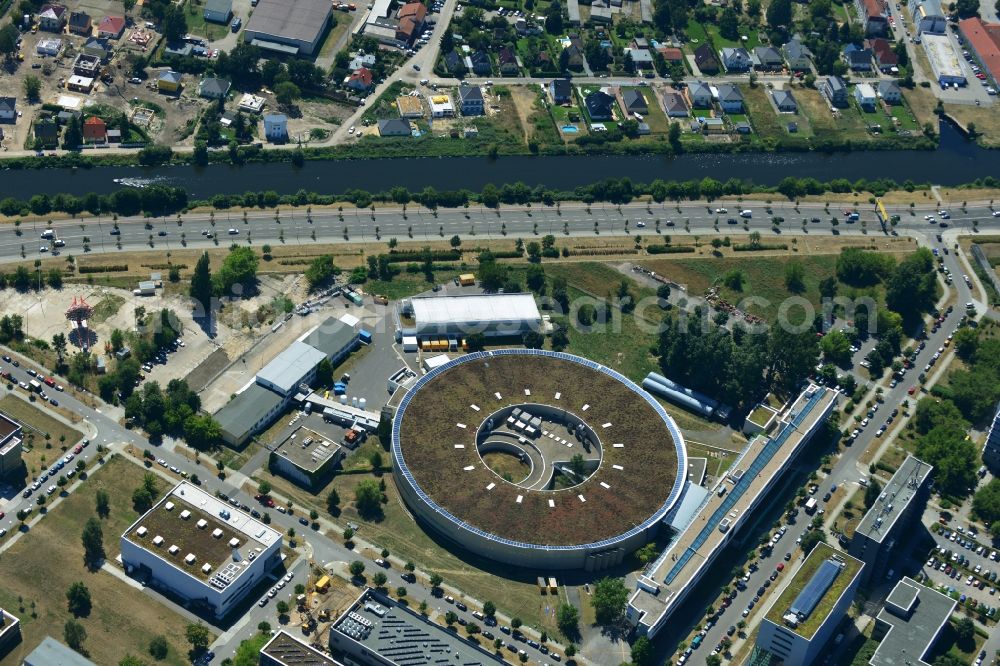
(885, 525)
(195, 546)
(10, 445)
(808, 611)
(377, 631)
(306, 457)
(909, 624)
(665, 584)
(10, 631)
(991, 449)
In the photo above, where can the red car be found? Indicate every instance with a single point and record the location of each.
(911, 390)
(78, 448)
(781, 566)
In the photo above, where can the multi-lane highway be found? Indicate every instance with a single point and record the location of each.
(326, 226)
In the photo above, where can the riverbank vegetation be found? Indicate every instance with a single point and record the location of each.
(158, 200)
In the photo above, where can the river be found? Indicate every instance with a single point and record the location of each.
(956, 161)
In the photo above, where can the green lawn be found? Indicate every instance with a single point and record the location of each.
(766, 122)
(40, 567)
(194, 12)
(907, 121)
(39, 452)
(720, 42)
(696, 33)
(656, 118)
(845, 124)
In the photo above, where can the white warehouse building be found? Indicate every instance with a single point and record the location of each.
(493, 315)
(945, 61)
(195, 546)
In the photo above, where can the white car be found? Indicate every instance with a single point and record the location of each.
(720, 211)
(44, 248)
(996, 213)
(640, 224)
(928, 217)
(233, 231)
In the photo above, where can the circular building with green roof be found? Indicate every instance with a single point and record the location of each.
(537, 459)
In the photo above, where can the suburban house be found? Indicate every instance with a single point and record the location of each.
(561, 91)
(481, 63)
(736, 60)
(699, 95)
(872, 16)
(508, 62)
(704, 58)
(276, 127)
(574, 57)
(889, 92)
(111, 27)
(730, 98)
(8, 109)
(634, 101)
(97, 47)
(394, 127)
(928, 16)
(169, 81)
(361, 60)
(857, 58)
(453, 62)
(865, 95)
(80, 24)
(671, 54)
(797, 55)
(767, 58)
(835, 91)
(641, 58)
(213, 88)
(95, 130)
(785, 101)
(470, 100)
(885, 56)
(360, 80)
(218, 11)
(639, 43)
(983, 40)
(599, 105)
(87, 65)
(52, 17)
(675, 105)
(47, 132)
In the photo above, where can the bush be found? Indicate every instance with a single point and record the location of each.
(114, 268)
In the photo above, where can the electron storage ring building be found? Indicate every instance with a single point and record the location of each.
(537, 459)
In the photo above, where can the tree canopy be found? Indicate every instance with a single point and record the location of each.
(608, 600)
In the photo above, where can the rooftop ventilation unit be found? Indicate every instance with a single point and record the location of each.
(157, 540)
(173, 550)
(185, 514)
(141, 531)
(169, 506)
(202, 524)
(190, 558)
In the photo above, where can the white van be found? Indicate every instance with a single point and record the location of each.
(746, 213)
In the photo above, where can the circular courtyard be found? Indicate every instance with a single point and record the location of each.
(537, 458)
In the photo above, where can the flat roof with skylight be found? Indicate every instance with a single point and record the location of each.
(814, 590)
(287, 369)
(904, 485)
(308, 449)
(195, 532)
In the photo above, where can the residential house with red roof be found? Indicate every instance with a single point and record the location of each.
(111, 27)
(95, 130)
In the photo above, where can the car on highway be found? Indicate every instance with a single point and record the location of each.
(233, 231)
(161, 233)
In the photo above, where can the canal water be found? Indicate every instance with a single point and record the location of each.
(956, 161)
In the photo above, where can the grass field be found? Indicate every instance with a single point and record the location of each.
(106, 308)
(40, 567)
(39, 452)
(846, 125)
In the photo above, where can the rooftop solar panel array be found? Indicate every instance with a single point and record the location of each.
(814, 590)
(759, 463)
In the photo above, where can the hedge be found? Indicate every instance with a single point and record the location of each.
(395, 257)
(759, 247)
(669, 249)
(115, 268)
